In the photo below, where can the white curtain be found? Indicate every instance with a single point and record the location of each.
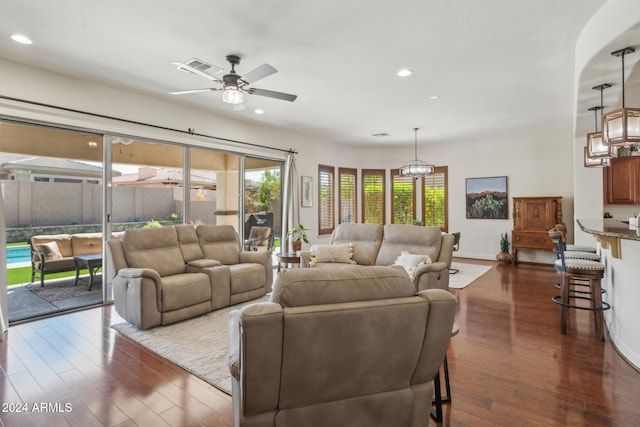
(290, 199)
(4, 309)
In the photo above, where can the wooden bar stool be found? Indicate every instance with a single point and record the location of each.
(578, 272)
(572, 248)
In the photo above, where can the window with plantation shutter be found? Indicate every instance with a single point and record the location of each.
(403, 198)
(326, 199)
(373, 196)
(435, 206)
(347, 203)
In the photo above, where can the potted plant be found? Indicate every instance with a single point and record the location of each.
(504, 255)
(296, 236)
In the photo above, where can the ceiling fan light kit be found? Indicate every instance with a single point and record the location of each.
(231, 95)
(234, 86)
(621, 127)
(416, 168)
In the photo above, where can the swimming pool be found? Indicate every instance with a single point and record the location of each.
(18, 254)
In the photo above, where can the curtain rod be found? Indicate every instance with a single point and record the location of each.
(190, 131)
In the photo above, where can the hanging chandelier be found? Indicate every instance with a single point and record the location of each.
(416, 168)
(621, 127)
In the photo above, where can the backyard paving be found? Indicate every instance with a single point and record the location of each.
(29, 300)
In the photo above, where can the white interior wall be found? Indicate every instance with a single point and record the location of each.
(524, 159)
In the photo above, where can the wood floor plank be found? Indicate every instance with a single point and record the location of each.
(509, 365)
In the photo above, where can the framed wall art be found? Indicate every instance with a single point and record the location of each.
(306, 197)
(486, 198)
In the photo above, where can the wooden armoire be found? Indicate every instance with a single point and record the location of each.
(533, 217)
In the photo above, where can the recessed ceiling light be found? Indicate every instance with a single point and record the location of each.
(434, 97)
(258, 111)
(404, 72)
(21, 39)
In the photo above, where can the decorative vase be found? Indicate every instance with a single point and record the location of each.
(504, 257)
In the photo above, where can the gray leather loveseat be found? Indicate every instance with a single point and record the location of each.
(163, 275)
(355, 347)
(376, 244)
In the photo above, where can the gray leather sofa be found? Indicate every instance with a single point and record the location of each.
(376, 244)
(339, 347)
(163, 275)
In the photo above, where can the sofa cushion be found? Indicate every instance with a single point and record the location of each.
(86, 243)
(246, 277)
(62, 240)
(154, 248)
(365, 238)
(219, 242)
(188, 241)
(309, 286)
(184, 290)
(342, 253)
(410, 262)
(410, 238)
(50, 250)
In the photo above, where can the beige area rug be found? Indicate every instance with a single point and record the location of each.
(200, 345)
(197, 345)
(467, 274)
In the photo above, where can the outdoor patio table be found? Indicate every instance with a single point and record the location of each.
(92, 262)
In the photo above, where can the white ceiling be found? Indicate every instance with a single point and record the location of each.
(496, 65)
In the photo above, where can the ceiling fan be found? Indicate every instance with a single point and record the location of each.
(234, 86)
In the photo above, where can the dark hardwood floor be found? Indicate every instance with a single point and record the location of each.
(509, 366)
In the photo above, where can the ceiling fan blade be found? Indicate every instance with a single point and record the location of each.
(272, 94)
(185, 92)
(185, 67)
(265, 70)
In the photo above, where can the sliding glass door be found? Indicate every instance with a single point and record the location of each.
(263, 202)
(52, 188)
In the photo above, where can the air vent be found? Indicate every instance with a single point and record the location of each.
(380, 135)
(203, 66)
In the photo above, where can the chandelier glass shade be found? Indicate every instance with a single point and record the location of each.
(416, 168)
(621, 127)
(231, 95)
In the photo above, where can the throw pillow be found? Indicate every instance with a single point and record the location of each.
(50, 250)
(411, 262)
(332, 253)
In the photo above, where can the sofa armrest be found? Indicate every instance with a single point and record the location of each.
(40, 258)
(446, 249)
(263, 258)
(432, 276)
(255, 355)
(134, 273)
(137, 296)
(219, 278)
(305, 259)
(233, 323)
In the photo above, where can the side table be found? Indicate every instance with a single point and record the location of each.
(284, 259)
(92, 262)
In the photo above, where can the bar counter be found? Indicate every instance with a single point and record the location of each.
(619, 247)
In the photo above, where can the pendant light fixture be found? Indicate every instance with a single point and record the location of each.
(416, 168)
(621, 127)
(597, 147)
(594, 144)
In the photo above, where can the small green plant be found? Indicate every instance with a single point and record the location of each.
(173, 218)
(298, 233)
(504, 242)
(152, 224)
